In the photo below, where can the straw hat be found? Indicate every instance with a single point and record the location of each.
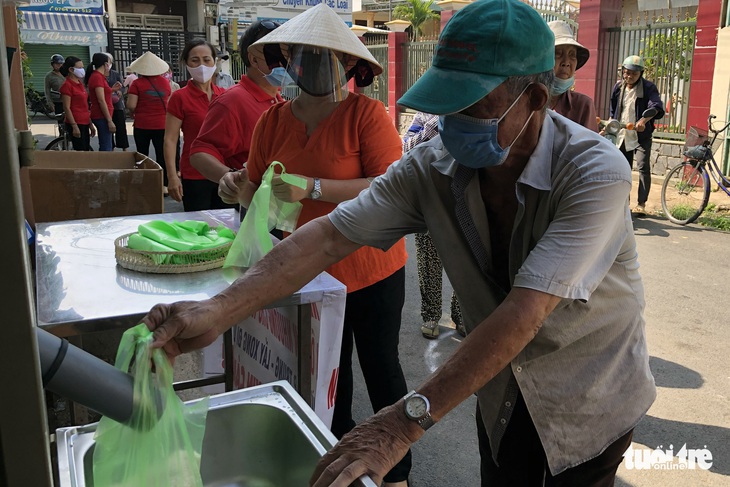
(149, 64)
(320, 26)
(564, 35)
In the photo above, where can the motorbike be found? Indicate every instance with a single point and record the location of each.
(612, 127)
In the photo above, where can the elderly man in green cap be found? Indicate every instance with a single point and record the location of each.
(536, 237)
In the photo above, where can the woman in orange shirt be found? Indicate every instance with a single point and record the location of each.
(339, 142)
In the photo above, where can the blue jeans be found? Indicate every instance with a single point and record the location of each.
(105, 137)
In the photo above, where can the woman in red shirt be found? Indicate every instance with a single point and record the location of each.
(76, 104)
(186, 110)
(147, 103)
(101, 99)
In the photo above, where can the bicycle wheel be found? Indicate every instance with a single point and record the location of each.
(59, 143)
(685, 192)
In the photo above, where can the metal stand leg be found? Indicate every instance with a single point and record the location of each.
(304, 345)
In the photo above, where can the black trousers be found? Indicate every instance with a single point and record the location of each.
(641, 156)
(201, 194)
(142, 139)
(522, 460)
(372, 323)
(119, 138)
(82, 143)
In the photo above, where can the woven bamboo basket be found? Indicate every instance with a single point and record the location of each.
(168, 262)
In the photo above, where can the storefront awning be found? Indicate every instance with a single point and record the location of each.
(56, 28)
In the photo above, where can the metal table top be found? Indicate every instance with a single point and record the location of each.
(81, 289)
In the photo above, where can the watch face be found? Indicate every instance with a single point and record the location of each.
(416, 407)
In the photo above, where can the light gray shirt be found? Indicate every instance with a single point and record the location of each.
(585, 376)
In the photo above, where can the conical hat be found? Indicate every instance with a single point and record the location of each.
(320, 26)
(148, 64)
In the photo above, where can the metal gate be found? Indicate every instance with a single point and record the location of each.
(126, 45)
(377, 44)
(667, 45)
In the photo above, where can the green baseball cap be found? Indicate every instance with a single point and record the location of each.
(481, 46)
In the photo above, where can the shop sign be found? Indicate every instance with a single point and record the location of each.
(63, 38)
(247, 11)
(65, 6)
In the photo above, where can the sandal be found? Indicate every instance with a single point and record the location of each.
(430, 329)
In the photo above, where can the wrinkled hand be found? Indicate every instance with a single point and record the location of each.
(287, 192)
(183, 326)
(640, 125)
(112, 127)
(372, 448)
(231, 185)
(174, 188)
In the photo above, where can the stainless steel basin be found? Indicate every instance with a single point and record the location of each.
(263, 436)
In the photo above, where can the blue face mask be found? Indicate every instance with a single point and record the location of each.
(560, 86)
(279, 78)
(473, 141)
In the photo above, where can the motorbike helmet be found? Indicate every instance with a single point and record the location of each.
(57, 59)
(634, 63)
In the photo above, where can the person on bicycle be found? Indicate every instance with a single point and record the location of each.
(75, 102)
(629, 99)
(52, 84)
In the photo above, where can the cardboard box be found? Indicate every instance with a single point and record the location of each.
(70, 185)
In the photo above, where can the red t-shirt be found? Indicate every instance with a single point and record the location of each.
(153, 93)
(79, 101)
(228, 127)
(98, 80)
(190, 104)
(357, 140)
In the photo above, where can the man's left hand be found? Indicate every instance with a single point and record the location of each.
(640, 125)
(287, 192)
(372, 448)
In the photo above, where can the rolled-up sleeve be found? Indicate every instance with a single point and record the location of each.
(583, 240)
(385, 212)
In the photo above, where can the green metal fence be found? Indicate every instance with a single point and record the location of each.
(417, 57)
(377, 44)
(667, 45)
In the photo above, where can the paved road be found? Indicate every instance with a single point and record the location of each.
(683, 270)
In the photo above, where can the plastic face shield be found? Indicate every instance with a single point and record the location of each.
(318, 71)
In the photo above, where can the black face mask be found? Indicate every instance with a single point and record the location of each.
(313, 72)
(363, 73)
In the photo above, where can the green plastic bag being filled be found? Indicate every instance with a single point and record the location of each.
(161, 444)
(265, 213)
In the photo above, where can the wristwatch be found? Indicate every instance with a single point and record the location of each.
(317, 190)
(418, 409)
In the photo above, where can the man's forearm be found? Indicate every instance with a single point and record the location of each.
(207, 165)
(488, 349)
(290, 265)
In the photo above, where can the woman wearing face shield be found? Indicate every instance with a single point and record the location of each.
(339, 141)
(570, 56)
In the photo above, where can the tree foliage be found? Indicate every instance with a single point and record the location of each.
(669, 53)
(417, 12)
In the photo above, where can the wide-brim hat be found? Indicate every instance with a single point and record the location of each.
(482, 45)
(149, 64)
(320, 26)
(564, 35)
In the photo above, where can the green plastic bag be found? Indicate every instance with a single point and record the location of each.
(265, 213)
(161, 444)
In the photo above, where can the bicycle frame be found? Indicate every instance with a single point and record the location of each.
(711, 163)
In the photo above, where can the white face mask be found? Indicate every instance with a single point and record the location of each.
(201, 73)
(79, 73)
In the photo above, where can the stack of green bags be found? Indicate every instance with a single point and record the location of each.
(171, 237)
